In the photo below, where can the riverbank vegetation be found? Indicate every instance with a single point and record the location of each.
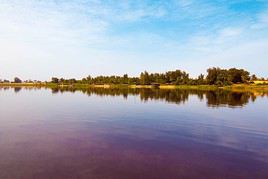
(215, 78)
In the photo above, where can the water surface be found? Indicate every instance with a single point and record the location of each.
(132, 133)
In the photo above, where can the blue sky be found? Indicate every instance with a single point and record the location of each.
(74, 38)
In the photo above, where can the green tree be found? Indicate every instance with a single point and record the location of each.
(238, 75)
(253, 77)
(17, 80)
(144, 78)
(125, 79)
(54, 80)
(201, 79)
(212, 75)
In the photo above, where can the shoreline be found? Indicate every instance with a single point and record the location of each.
(235, 87)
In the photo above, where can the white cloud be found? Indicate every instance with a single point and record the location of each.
(230, 32)
(251, 55)
(220, 40)
(72, 38)
(185, 3)
(262, 21)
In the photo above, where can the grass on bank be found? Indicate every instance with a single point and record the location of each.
(236, 87)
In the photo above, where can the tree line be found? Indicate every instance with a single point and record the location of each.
(215, 76)
(18, 80)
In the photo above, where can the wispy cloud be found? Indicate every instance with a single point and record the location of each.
(56, 37)
(262, 21)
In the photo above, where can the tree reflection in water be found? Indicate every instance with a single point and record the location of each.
(216, 98)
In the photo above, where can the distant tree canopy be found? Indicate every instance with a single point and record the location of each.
(170, 77)
(253, 77)
(4, 81)
(215, 76)
(54, 80)
(17, 80)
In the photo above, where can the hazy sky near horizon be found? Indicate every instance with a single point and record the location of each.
(74, 38)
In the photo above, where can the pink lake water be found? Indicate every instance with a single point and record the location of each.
(127, 133)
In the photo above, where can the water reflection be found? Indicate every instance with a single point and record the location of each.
(70, 135)
(17, 89)
(216, 98)
(232, 99)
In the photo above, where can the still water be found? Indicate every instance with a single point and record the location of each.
(132, 133)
